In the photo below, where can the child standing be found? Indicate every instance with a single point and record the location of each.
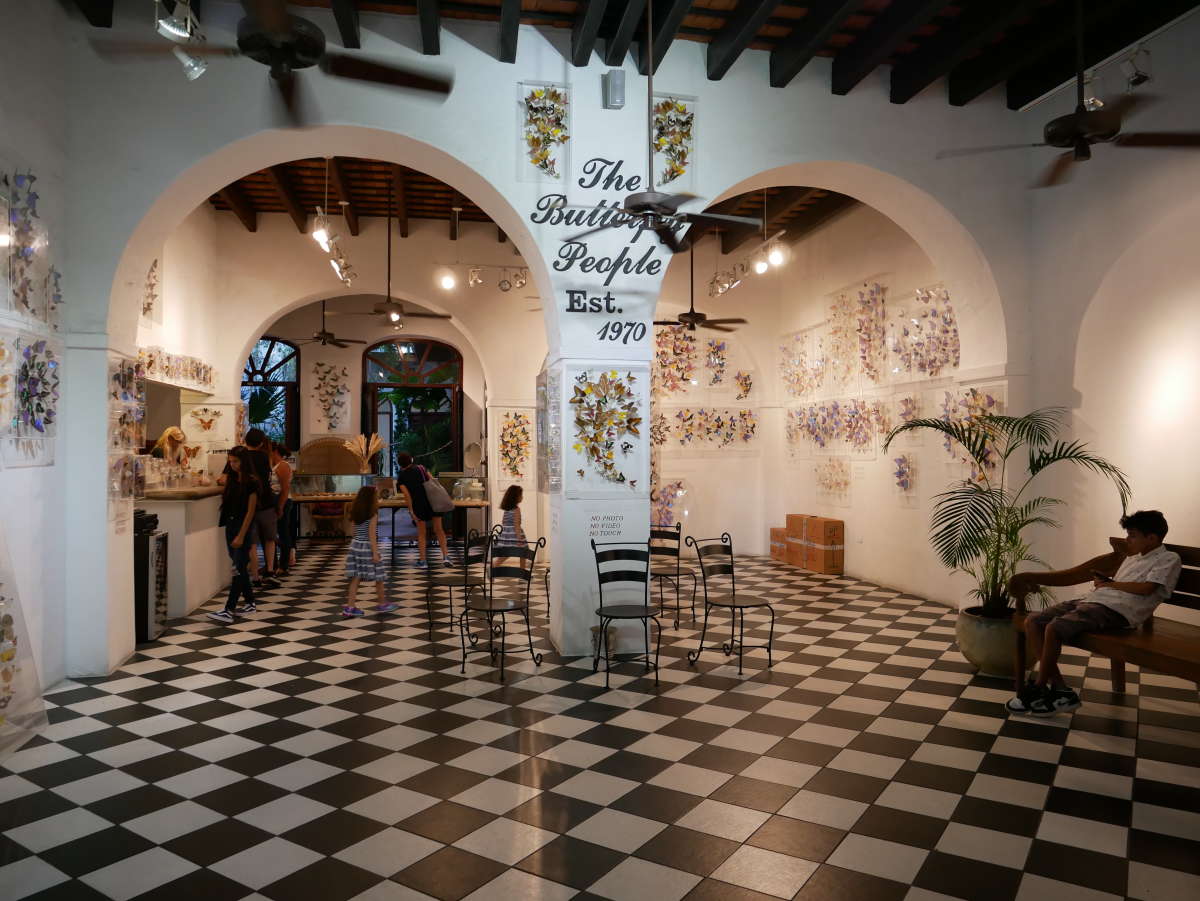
(364, 563)
(511, 532)
(239, 503)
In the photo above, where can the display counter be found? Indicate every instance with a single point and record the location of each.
(197, 561)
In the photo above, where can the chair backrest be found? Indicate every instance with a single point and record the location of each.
(665, 542)
(517, 560)
(475, 552)
(622, 565)
(715, 556)
(1187, 589)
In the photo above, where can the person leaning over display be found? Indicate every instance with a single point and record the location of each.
(285, 507)
(1145, 578)
(266, 520)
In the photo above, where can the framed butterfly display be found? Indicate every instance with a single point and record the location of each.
(607, 424)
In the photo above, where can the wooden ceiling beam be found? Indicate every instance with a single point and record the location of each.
(585, 31)
(975, 28)
(1021, 48)
(618, 45)
(430, 19)
(510, 28)
(1103, 36)
(278, 177)
(889, 30)
(345, 13)
(342, 187)
(809, 36)
(99, 13)
(739, 31)
(817, 215)
(237, 202)
(779, 206)
(401, 196)
(668, 16)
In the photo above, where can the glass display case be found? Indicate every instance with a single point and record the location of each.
(318, 485)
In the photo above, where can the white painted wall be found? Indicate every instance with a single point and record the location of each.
(33, 134)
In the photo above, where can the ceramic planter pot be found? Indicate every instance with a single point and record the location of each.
(987, 642)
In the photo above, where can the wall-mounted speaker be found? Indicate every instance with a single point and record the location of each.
(612, 84)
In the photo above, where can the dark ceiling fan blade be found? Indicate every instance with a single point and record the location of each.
(1159, 139)
(590, 231)
(716, 328)
(671, 323)
(413, 315)
(1058, 171)
(675, 201)
(1118, 109)
(672, 241)
(727, 321)
(286, 87)
(721, 219)
(971, 151)
(344, 65)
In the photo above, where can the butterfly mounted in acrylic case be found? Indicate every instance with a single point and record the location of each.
(206, 417)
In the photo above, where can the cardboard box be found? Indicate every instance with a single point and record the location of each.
(796, 524)
(778, 536)
(824, 546)
(796, 552)
(779, 551)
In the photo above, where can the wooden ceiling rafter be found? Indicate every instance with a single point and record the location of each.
(236, 201)
(400, 195)
(668, 16)
(345, 13)
(279, 180)
(618, 44)
(808, 38)
(337, 178)
(875, 46)
(739, 31)
(510, 28)
(430, 20)
(586, 30)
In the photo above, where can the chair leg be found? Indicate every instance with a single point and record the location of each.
(741, 638)
(771, 635)
(657, 649)
(537, 658)
(1019, 662)
(503, 623)
(646, 636)
(462, 634)
(429, 610)
(1118, 677)
(694, 656)
(546, 583)
(695, 585)
(599, 636)
(604, 638)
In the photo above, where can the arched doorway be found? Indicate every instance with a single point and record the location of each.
(412, 397)
(271, 389)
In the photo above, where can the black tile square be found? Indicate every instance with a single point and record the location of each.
(803, 751)
(527, 742)
(754, 793)
(687, 850)
(554, 812)
(90, 742)
(1088, 806)
(199, 885)
(443, 781)
(610, 736)
(691, 730)
(1010, 818)
(343, 789)
(654, 803)
(64, 771)
(440, 748)
(238, 797)
(900, 826)
(1167, 851)
(1077, 866)
(324, 880)
(134, 803)
(836, 884)
(95, 851)
(797, 838)
(35, 806)
(572, 862)
(722, 760)
(259, 760)
(928, 775)
(449, 874)
(446, 822)
(842, 784)
(538, 773)
(334, 831)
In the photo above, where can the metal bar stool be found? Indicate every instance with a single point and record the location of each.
(475, 554)
(624, 563)
(715, 556)
(666, 565)
(516, 561)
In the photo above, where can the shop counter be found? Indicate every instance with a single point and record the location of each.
(197, 561)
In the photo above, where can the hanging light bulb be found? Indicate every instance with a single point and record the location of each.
(775, 255)
(321, 232)
(448, 281)
(504, 284)
(394, 316)
(760, 264)
(193, 66)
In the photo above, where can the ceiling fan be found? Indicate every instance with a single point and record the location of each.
(655, 210)
(1079, 130)
(391, 309)
(324, 337)
(285, 43)
(691, 319)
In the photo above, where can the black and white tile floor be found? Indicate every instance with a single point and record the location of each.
(298, 756)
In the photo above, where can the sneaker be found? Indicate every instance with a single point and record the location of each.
(270, 582)
(446, 562)
(421, 564)
(223, 616)
(243, 609)
(1055, 700)
(348, 612)
(1021, 701)
(384, 608)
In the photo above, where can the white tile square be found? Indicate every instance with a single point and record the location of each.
(599, 788)
(946, 755)
(50, 832)
(306, 744)
(95, 788)
(745, 740)
(765, 871)
(505, 840)
(990, 845)
(825, 735)
(388, 851)
(298, 774)
(580, 754)
(1158, 884)
(28, 876)
(496, 796)
(1091, 835)
(265, 863)
(663, 747)
(917, 799)
(1166, 821)
(1094, 781)
(693, 780)
(134, 875)
(864, 763)
(1039, 888)
(640, 880)
(192, 783)
(394, 768)
(516, 884)
(888, 860)
(171, 822)
(827, 810)
(481, 732)
(723, 820)
(1008, 791)
(488, 761)
(781, 772)
(618, 830)
(284, 813)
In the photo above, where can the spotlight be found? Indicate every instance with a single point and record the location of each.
(761, 265)
(504, 284)
(474, 277)
(775, 255)
(520, 279)
(320, 232)
(399, 326)
(394, 316)
(1091, 102)
(180, 26)
(1136, 69)
(448, 282)
(193, 66)
(734, 278)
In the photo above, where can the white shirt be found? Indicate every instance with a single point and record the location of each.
(1159, 566)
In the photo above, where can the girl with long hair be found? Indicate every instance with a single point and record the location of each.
(239, 504)
(364, 563)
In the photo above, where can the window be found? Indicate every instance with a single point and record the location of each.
(271, 390)
(412, 393)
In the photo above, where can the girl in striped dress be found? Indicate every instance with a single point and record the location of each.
(511, 532)
(364, 563)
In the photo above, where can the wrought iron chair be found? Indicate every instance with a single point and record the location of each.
(666, 565)
(516, 562)
(496, 530)
(715, 556)
(475, 554)
(624, 563)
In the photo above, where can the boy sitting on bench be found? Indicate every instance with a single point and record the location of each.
(1145, 578)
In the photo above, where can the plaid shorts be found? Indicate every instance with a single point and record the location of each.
(1073, 618)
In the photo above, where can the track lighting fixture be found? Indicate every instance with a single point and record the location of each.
(448, 281)
(1136, 68)
(193, 66)
(775, 255)
(504, 284)
(181, 25)
(474, 277)
(1091, 102)
(760, 264)
(520, 279)
(322, 233)
(394, 316)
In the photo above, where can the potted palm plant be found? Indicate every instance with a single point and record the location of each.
(977, 525)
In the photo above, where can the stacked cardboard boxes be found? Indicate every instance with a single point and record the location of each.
(815, 543)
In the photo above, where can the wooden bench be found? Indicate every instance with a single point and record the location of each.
(1163, 645)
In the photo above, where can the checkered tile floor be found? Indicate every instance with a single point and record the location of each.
(298, 756)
